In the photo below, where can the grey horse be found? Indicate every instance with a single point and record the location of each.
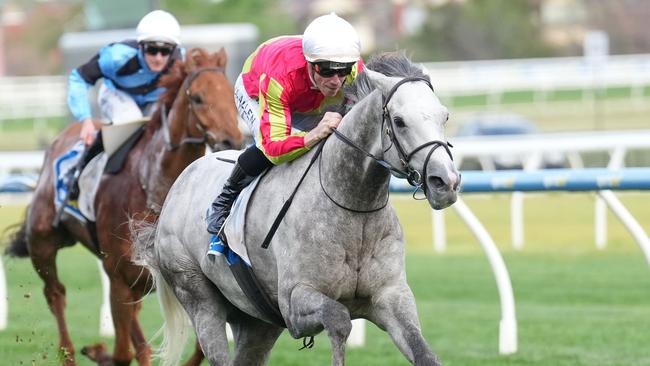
(338, 253)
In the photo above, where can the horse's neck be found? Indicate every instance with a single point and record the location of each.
(161, 165)
(347, 174)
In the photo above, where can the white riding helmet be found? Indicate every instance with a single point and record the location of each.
(159, 26)
(331, 38)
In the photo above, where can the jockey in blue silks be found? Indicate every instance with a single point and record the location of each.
(130, 71)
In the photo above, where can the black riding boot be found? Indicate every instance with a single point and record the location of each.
(221, 205)
(251, 163)
(91, 151)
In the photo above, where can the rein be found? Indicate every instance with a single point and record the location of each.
(379, 161)
(287, 203)
(413, 176)
(199, 126)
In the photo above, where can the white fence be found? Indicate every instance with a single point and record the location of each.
(32, 97)
(531, 150)
(45, 96)
(495, 77)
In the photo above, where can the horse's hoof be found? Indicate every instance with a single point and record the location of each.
(66, 359)
(95, 351)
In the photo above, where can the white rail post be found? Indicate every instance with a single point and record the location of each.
(439, 232)
(628, 221)
(517, 220)
(533, 162)
(508, 323)
(106, 328)
(438, 221)
(616, 161)
(357, 336)
(600, 223)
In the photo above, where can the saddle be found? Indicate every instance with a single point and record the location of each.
(116, 145)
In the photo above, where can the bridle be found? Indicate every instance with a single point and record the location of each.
(412, 175)
(199, 126)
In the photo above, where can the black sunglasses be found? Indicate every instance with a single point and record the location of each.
(154, 50)
(328, 72)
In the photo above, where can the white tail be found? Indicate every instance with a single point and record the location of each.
(176, 328)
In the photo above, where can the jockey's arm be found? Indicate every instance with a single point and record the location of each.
(80, 81)
(324, 128)
(279, 144)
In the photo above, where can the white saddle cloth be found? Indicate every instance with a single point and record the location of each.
(88, 184)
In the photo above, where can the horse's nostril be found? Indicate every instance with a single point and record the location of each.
(436, 182)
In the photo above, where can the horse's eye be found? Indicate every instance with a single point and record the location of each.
(194, 98)
(399, 122)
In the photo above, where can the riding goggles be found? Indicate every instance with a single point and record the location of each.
(327, 69)
(154, 49)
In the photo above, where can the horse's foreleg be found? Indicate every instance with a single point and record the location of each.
(142, 347)
(310, 311)
(43, 255)
(123, 311)
(253, 340)
(394, 310)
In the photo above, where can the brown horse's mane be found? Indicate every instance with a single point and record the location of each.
(172, 81)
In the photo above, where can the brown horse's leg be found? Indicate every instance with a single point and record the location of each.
(142, 347)
(197, 356)
(123, 311)
(43, 254)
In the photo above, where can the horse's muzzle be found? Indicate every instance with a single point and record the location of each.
(442, 190)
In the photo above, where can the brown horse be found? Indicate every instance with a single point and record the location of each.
(202, 110)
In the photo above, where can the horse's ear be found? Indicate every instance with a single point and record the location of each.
(190, 60)
(380, 81)
(222, 58)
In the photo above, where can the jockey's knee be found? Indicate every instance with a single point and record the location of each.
(253, 161)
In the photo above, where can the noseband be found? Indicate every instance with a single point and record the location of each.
(199, 126)
(412, 175)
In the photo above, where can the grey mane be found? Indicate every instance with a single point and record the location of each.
(394, 64)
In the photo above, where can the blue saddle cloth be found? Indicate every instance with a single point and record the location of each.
(63, 166)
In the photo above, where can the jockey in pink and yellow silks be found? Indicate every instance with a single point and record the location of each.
(278, 76)
(285, 95)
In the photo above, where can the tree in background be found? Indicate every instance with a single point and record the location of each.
(457, 30)
(270, 16)
(478, 29)
(32, 47)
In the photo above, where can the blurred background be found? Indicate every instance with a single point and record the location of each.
(529, 83)
(503, 67)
